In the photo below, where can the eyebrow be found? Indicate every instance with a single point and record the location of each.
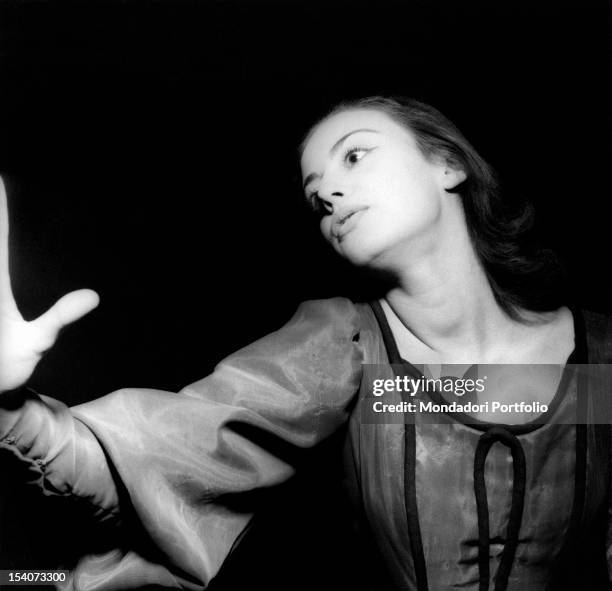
(313, 175)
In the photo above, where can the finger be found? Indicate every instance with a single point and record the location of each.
(6, 294)
(66, 310)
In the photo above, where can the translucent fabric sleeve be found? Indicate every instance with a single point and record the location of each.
(186, 465)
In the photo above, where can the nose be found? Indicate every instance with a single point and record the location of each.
(330, 193)
(330, 200)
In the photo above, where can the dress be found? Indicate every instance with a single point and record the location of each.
(450, 510)
(190, 466)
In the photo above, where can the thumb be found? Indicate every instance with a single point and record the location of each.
(67, 309)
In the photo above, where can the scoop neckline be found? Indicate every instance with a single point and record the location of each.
(578, 355)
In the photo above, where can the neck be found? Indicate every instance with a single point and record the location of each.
(442, 294)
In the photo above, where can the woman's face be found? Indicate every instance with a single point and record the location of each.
(377, 194)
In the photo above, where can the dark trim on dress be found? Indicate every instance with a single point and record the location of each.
(410, 496)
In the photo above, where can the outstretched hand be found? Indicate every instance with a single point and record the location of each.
(23, 343)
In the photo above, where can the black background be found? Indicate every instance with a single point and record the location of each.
(149, 150)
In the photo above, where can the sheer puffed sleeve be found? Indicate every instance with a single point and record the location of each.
(188, 464)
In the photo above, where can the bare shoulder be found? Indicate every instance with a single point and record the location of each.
(551, 336)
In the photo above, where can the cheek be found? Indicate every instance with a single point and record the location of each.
(415, 194)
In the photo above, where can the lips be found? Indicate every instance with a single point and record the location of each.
(347, 222)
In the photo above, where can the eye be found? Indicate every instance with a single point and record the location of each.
(354, 155)
(317, 204)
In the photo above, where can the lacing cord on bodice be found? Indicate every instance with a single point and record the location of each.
(486, 441)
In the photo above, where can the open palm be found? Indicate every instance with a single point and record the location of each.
(23, 343)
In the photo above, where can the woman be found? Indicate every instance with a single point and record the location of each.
(400, 192)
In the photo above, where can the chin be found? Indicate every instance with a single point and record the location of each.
(358, 253)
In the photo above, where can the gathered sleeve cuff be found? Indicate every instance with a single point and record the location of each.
(60, 454)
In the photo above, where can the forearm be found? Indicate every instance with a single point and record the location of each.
(60, 454)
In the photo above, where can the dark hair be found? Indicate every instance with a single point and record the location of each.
(522, 275)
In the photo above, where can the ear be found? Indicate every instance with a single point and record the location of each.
(452, 177)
